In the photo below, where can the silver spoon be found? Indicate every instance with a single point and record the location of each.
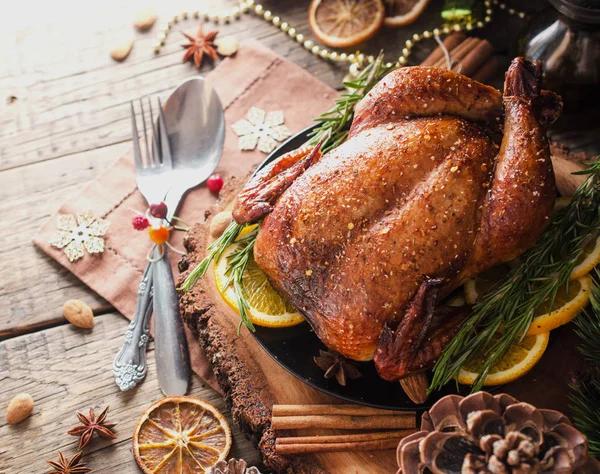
(196, 129)
(195, 125)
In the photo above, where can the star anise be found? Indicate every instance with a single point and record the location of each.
(90, 425)
(337, 365)
(62, 466)
(200, 45)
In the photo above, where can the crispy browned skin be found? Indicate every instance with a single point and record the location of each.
(411, 195)
(426, 92)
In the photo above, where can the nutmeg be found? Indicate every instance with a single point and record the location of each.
(19, 408)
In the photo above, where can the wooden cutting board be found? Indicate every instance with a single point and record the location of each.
(253, 382)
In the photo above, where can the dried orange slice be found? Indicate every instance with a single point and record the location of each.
(178, 435)
(343, 23)
(403, 12)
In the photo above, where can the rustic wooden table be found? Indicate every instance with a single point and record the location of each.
(64, 120)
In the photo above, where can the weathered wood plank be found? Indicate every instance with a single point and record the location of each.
(79, 99)
(67, 369)
(34, 287)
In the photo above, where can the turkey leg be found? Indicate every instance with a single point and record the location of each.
(523, 189)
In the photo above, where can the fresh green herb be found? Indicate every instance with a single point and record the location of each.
(236, 266)
(546, 268)
(584, 401)
(335, 123)
(215, 250)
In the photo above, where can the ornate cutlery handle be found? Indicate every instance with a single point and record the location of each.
(129, 366)
(172, 358)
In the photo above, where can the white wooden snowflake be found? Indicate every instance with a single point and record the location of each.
(262, 129)
(78, 233)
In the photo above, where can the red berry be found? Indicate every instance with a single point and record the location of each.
(215, 183)
(140, 222)
(158, 210)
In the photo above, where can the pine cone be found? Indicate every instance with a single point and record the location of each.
(233, 466)
(485, 434)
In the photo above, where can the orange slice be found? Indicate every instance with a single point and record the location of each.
(589, 258)
(344, 23)
(266, 307)
(476, 288)
(520, 359)
(561, 203)
(178, 435)
(567, 304)
(403, 12)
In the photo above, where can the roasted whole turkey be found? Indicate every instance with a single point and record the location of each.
(366, 240)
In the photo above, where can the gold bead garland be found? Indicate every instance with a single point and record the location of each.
(356, 59)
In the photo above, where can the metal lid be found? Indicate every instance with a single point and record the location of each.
(585, 11)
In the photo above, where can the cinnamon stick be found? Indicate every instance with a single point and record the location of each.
(288, 449)
(487, 71)
(344, 422)
(344, 438)
(476, 58)
(292, 410)
(451, 42)
(459, 52)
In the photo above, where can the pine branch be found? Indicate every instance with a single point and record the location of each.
(588, 325)
(584, 401)
(584, 404)
(546, 268)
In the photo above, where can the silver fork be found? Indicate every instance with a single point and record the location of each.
(154, 174)
(154, 179)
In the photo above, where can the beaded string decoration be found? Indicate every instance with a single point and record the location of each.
(357, 60)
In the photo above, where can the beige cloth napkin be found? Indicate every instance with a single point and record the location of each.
(255, 77)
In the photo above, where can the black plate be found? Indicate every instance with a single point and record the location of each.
(294, 348)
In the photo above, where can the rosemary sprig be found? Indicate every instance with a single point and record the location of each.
(584, 401)
(336, 121)
(236, 266)
(546, 268)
